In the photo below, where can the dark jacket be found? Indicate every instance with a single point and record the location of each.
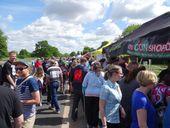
(77, 85)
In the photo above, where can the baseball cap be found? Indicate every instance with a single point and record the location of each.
(21, 62)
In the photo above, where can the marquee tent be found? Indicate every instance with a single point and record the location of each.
(151, 40)
(99, 51)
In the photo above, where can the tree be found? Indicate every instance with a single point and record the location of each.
(3, 45)
(24, 53)
(87, 49)
(130, 29)
(54, 52)
(73, 54)
(43, 49)
(65, 55)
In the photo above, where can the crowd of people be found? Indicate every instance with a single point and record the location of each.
(115, 93)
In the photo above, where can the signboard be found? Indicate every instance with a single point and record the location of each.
(118, 48)
(150, 46)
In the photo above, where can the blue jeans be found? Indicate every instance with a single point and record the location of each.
(54, 100)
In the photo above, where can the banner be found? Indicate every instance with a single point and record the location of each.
(150, 46)
(116, 49)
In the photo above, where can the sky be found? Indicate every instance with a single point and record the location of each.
(70, 25)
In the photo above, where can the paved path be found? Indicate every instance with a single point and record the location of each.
(48, 119)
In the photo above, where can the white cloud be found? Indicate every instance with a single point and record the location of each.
(109, 28)
(133, 21)
(106, 3)
(74, 10)
(63, 35)
(138, 10)
(56, 32)
(63, 22)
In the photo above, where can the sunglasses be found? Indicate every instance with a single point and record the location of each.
(20, 69)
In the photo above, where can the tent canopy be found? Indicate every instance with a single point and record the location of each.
(154, 33)
(99, 51)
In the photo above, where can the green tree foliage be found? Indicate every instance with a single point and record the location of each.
(54, 51)
(66, 55)
(3, 45)
(73, 54)
(43, 49)
(87, 49)
(130, 29)
(24, 54)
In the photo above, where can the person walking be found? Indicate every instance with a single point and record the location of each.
(27, 89)
(56, 79)
(91, 86)
(77, 75)
(110, 98)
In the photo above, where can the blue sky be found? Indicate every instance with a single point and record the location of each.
(70, 25)
(23, 11)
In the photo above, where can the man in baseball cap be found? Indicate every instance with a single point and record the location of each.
(27, 89)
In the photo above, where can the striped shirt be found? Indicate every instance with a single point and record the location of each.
(54, 73)
(24, 91)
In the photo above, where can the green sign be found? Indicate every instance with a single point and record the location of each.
(150, 47)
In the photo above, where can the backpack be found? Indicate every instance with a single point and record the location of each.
(78, 75)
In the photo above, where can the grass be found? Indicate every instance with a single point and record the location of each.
(157, 68)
